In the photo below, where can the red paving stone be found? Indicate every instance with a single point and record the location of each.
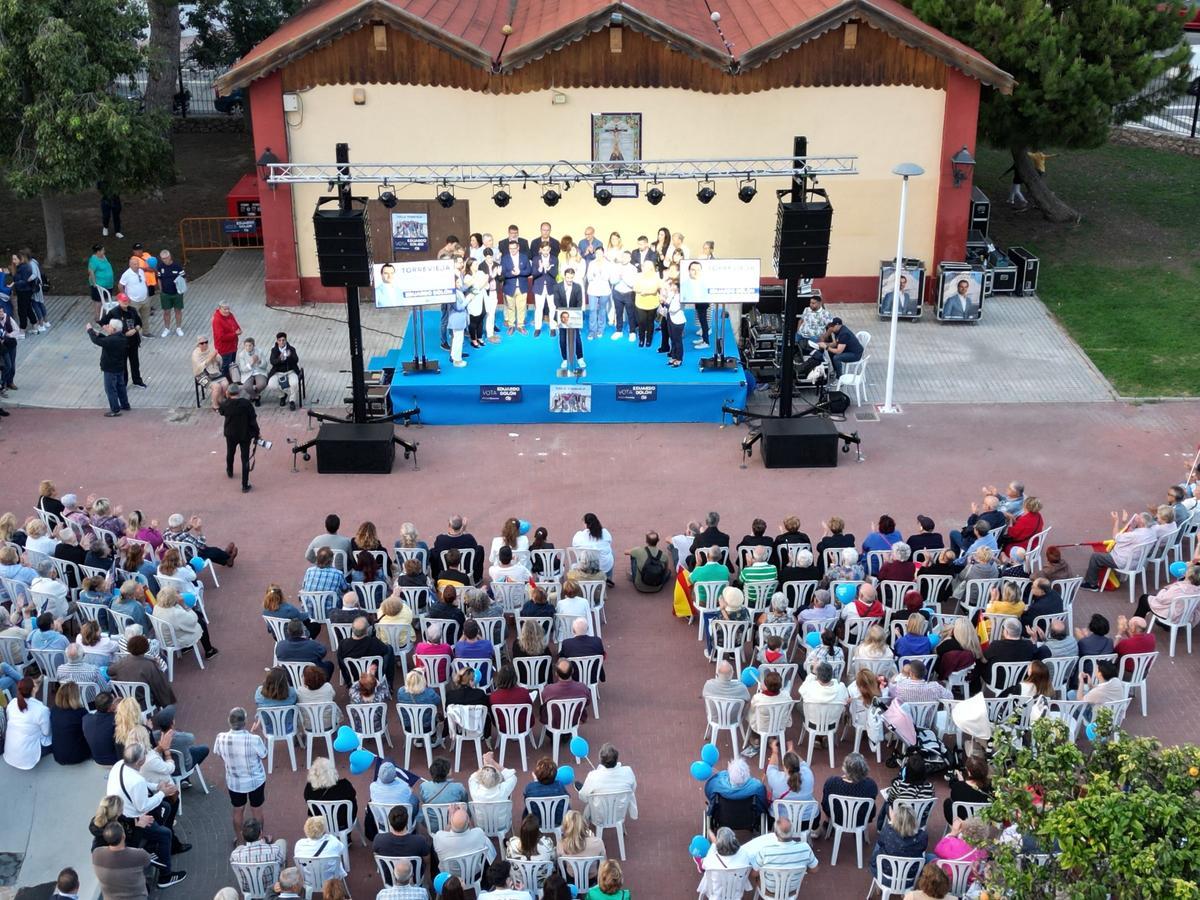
(1082, 461)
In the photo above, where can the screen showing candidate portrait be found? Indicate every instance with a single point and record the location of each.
(406, 284)
(719, 281)
(912, 282)
(960, 296)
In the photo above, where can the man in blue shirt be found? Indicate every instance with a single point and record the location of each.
(299, 647)
(47, 636)
(12, 567)
(842, 344)
(589, 245)
(131, 601)
(735, 783)
(324, 577)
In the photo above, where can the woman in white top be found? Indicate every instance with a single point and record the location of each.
(96, 643)
(317, 843)
(475, 287)
(173, 566)
(529, 844)
(27, 737)
(511, 537)
(725, 853)
(491, 784)
(573, 603)
(874, 645)
(250, 363)
(129, 728)
(599, 291)
(672, 309)
(38, 537)
(595, 536)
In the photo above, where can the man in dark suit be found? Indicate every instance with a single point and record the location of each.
(582, 644)
(544, 239)
(643, 253)
(515, 270)
(959, 305)
(908, 304)
(514, 236)
(544, 265)
(241, 427)
(569, 295)
(299, 647)
(362, 642)
(1044, 600)
(711, 536)
(1013, 646)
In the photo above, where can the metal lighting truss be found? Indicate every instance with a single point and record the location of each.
(562, 171)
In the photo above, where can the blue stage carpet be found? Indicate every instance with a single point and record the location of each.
(455, 396)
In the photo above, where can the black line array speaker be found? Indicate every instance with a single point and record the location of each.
(343, 247)
(807, 442)
(355, 449)
(802, 239)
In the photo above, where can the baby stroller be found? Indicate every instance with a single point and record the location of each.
(907, 739)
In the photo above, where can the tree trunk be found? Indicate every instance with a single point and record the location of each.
(163, 56)
(56, 238)
(1038, 192)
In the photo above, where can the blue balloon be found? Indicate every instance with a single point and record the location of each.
(189, 600)
(1091, 731)
(710, 754)
(845, 592)
(701, 771)
(1178, 569)
(934, 640)
(522, 526)
(197, 562)
(565, 776)
(750, 676)
(346, 740)
(440, 881)
(579, 746)
(152, 262)
(812, 639)
(699, 846)
(360, 761)
(573, 889)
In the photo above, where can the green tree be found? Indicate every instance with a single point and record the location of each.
(61, 128)
(226, 30)
(1123, 818)
(1081, 66)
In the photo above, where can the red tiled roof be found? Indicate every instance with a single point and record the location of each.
(756, 30)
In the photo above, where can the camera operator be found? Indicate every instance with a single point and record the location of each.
(241, 427)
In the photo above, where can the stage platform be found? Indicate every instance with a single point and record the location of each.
(511, 382)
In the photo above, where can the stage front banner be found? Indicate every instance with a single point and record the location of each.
(719, 281)
(407, 284)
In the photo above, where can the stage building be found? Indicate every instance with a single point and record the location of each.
(441, 81)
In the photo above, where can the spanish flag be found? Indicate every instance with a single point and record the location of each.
(685, 607)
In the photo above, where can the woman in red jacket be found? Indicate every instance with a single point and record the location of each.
(226, 330)
(1024, 526)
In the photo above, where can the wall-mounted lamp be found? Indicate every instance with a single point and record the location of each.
(963, 164)
(264, 164)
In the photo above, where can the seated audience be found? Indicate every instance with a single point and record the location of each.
(67, 740)
(899, 836)
(736, 783)
(927, 538)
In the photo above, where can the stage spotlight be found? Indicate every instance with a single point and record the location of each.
(551, 197)
(747, 190)
(706, 192)
(603, 196)
(655, 194)
(445, 199)
(388, 199)
(501, 198)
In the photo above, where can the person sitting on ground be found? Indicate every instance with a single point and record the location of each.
(98, 730)
(529, 844)
(298, 647)
(900, 567)
(67, 740)
(330, 538)
(276, 606)
(508, 569)
(1129, 542)
(821, 687)
(192, 532)
(318, 843)
(325, 577)
(649, 566)
(323, 784)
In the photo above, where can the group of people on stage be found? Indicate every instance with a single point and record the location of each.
(641, 287)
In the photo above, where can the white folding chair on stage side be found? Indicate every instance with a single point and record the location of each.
(774, 717)
(849, 815)
(595, 593)
(588, 670)
(550, 812)
(370, 722)
(317, 604)
(494, 818)
(338, 632)
(780, 882)
(416, 598)
(787, 672)
(1135, 676)
(339, 821)
(495, 629)
(798, 593)
(319, 720)
(896, 875)
(563, 718)
(171, 644)
(552, 564)
(822, 720)
(726, 884)
(1183, 622)
(533, 673)
(705, 595)
(387, 864)
(138, 690)
(609, 809)
(468, 868)
(513, 722)
(404, 554)
(724, 714)
(436, 816)
(256, 881)
(1136, 570)
(278, 726)
(466, 723)
(1002, 676)
(729, 640)
(371, 594)
(418, 721)
(357, 666)
(581, 871)
(854, 376)
(511, 594)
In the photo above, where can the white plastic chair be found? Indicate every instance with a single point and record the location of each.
(726, 884)
(934, 587)
(1060, 668)
(822, 720)
(386, 865)
(588, 670)
(854, 376)
(316, 870)
(595, 592)
(48, 662)
(1182, 623)
(728, 639)
(494, 818)
(277, 626)
(787, 673)
(404, 554)
(921, 809)
(510, 593)
(436, 816)
(463, 724)
(369, 721)
(169, 640)
(256, 880)
(798, 593)
(530, 873)
(896, 875)
(976, 593)
(484, 669)
(468, 868)
(1136, 677)
(183, 770)
(337, 813)
(370, 593)
(553, 563)
(1137, 569)
(533, 672)
(357, 666)
(960, 872)
(609, 809)
(338, 632)
(1160, 556)
(854, 630)
(294, 671)
(495, 629)
(466, 561)
(416, 598)
(1002, 676)
(773, 717)
(418, 721)
(138, 690)
(319, 720)
(507, 719)
(705, 595)
(582, 871)
(780, 882)
(845, 814)
(803, 814)
(723, 714)
(563, 718)
(550, 812)
(278, 726)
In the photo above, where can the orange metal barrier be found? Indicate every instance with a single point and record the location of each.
(219, 233)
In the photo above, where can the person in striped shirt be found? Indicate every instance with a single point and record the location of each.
(760, 569)
(777, 850)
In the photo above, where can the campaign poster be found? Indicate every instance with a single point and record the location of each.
(569, 318)
(500, 393)
(570, 398)
(410, 232)
(911, 283)
(719, 281)
(637, 393)
(400, 284)
(960, 296)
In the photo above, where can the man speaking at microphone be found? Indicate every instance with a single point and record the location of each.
(569, 295)
(241, 427)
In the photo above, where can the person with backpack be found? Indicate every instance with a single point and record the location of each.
(649, 566)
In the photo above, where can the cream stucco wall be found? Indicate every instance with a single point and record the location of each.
(881, 125)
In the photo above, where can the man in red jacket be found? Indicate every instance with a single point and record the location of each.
(226, 331)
